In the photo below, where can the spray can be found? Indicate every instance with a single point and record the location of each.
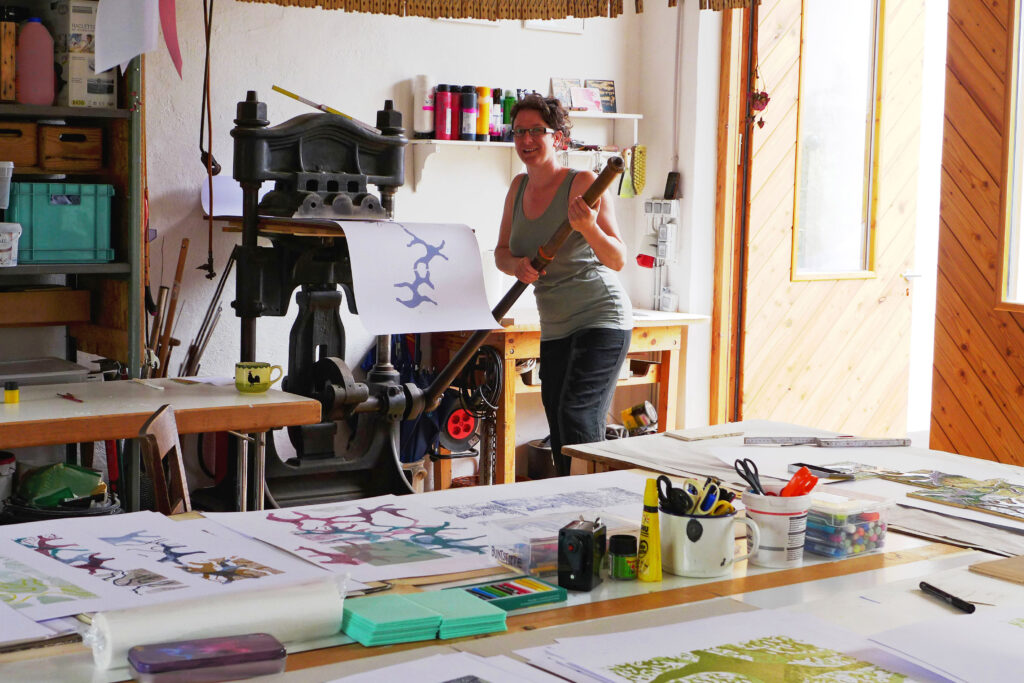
(494, 130)
(469, 113)
(483, 117)
(506, 116)
(423, 108)
(442, 112)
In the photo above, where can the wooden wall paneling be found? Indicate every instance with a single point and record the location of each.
(968, 65)
(961, 167)
(964, 114)
(955, 422)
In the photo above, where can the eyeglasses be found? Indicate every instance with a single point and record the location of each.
(534, 132)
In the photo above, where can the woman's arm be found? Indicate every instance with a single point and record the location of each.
(598, 226)
(519, 266)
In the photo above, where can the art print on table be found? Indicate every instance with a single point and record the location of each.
(372, 539)
(772, 659)
(116, 571)
(23, 587)
(993, 496)
(526, 506)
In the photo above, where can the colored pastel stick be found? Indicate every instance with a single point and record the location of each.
(500, 588)
(535, 585)
(514, 588)
(492, 591)
(481, 594)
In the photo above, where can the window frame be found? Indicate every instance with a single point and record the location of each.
(1013, 133)
(871, 152)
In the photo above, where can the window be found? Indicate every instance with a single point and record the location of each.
(836, 139)
(1013, 222)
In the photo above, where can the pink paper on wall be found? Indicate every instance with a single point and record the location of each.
(169, 26)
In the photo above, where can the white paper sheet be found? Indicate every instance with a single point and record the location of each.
(461, 666)
(984, 646)
(770, 643)
(417, 277)
(374, 539)
(125, 29)
(15, 627)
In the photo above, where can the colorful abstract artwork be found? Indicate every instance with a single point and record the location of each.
(994, 496)
(772, 659)
(115, 571)
(372, 539)
(577, 501)
(22, 586)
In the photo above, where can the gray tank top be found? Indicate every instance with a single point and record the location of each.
(576, 291)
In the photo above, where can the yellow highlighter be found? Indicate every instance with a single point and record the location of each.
(648, 561)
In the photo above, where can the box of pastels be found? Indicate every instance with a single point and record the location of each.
(839, 527)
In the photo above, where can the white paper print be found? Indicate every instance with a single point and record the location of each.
(417, 277)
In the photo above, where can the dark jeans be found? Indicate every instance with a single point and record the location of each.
(577, 380)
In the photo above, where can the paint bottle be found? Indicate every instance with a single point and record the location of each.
(423, 107)
(469, 113)
(648, 559)
(483, 117)
(456, 111)
(622, 557)
(506, 116)
(497, 117)
(442, 112)
(11, 392)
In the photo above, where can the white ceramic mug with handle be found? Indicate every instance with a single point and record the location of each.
(700, 546)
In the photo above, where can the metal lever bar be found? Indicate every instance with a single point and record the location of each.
(432, 396)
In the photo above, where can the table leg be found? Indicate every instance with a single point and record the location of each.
(259, 465)
(242, 492)
(505, 464)
(669, 384)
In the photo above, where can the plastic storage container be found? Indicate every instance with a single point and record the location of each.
(62, 222)
(841, 527)
(34, 76)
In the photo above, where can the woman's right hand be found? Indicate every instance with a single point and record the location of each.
(525, 270)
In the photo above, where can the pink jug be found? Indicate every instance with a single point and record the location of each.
(34, 80)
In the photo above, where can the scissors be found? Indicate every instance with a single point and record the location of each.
(674, 499)
(704, 495)
(747, 469)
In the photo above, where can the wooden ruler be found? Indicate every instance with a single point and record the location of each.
(822, 441)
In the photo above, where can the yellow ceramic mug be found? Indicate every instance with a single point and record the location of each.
(255, 377)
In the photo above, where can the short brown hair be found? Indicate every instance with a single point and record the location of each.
(549, 108)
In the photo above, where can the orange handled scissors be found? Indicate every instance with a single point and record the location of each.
(801, 483)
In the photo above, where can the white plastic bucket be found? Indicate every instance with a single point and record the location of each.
(783, 523)
(9, 234)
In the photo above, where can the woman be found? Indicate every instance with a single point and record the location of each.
(585, 315)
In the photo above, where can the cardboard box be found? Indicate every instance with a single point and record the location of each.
(72, 24)
(78, 84)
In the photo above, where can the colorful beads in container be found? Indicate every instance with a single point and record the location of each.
(840, 527)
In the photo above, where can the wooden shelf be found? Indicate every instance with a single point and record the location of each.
(66, 269)
(650, 378)
(43, 307)
(34, 111)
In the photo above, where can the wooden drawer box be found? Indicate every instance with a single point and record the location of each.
(70, 148)
(18, 140)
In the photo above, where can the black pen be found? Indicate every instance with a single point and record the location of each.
(959, 603)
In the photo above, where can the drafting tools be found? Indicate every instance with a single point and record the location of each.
(324, 108)
(820, 471)
(747, 469)
(822, 441)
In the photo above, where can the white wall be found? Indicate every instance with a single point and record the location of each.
(354, 62)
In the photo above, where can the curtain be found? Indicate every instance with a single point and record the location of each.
(493, 10)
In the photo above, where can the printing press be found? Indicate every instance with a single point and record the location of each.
(322, 166)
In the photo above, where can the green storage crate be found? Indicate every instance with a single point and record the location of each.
(62, 222)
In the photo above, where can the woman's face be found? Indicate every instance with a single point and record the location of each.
(533, 148)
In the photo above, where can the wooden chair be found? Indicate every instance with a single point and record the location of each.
(158, 440)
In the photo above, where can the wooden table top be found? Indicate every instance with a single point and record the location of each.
(116, 410)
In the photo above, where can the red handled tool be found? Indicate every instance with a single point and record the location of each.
(801, 483)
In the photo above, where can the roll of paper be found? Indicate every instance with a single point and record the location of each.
(301, 612)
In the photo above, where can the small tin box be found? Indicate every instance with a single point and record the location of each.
(205, 660)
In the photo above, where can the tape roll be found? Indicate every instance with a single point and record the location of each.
(302, 612)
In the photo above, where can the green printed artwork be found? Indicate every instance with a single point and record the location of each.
(21, 586)
(773, 659)
(859, 470)
(994, 496)
(385, 553)
(1017, 622)
(929, 479)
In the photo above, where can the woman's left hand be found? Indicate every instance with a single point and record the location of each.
(581, 217)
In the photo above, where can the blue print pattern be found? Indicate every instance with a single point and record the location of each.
(420, 272)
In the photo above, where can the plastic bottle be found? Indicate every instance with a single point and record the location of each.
(442, 112)
(34, 79)
(469, 113)
(506, 116)
(494, 129)
(423, 107)
(483, 117)
(456, 118)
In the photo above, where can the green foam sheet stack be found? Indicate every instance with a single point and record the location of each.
(389, 619)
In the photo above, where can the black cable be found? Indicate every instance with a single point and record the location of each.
(480, 398)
